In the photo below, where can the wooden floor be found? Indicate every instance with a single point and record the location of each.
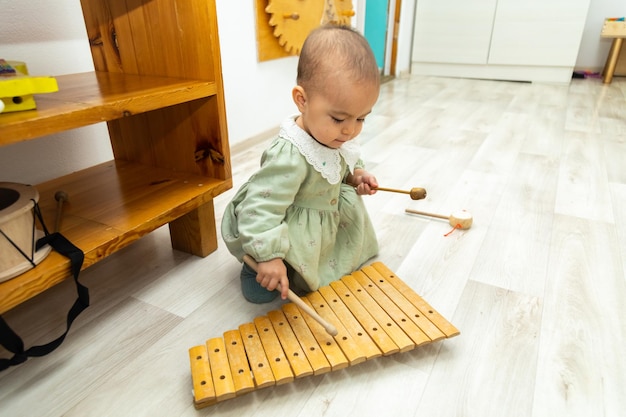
(537, 286)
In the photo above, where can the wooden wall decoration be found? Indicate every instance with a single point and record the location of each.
(283, 25)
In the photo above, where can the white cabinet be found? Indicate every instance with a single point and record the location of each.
(533, 40)
(453, 31)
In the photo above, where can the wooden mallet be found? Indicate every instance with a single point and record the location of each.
(461, 219)
(330, 329)
(414, 193)
(61, 197)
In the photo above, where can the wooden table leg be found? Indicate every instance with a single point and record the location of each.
(611, 60)
(195, 232)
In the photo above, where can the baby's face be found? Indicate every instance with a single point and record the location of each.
(336, 115)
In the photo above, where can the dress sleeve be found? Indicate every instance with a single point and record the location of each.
(358, 165)
(271, 191)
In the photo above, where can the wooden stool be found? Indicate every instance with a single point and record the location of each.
(617, 30)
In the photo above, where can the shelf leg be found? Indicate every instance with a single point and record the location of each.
(195, 232)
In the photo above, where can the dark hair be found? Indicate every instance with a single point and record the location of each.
(332, 47)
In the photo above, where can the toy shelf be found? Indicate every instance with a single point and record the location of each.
(110, 206)
(158, 86)
(92, 97)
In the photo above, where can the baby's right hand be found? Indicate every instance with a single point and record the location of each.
(273, 274)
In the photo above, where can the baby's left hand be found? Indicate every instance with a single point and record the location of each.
(365, 183)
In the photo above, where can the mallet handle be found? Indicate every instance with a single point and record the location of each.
(393, 190)
(61, 197)
(423, 213)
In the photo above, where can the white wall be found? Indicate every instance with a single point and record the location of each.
(594, 50)
(258, 95)
(50, 36)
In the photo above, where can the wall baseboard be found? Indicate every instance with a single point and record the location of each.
(254, 140)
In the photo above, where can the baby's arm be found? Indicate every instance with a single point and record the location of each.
(364, 182)
(262, 230)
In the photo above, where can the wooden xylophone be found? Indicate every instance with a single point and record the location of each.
(375, 313)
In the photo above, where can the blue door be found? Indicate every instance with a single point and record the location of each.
(376, 28)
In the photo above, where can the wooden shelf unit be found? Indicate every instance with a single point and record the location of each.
(93, 97)
(158, 85)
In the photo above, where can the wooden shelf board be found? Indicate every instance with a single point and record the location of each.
(110, 206)
(93, 97)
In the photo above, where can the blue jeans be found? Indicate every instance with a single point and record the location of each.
(255, 293)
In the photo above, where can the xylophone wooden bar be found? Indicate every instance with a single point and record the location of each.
(220, 369)
(371, 276)
(382, 340)
(293, 351)
(203, 389)
(387, 324)
(375, 314)
(314, 353)
(444, 325)
(239, 367)
(259, 363)
(326, 342)
(356, 332)
(349, 346)
(275, 355)
(410, 328)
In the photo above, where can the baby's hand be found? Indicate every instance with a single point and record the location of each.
(272, 275)
(366, 183)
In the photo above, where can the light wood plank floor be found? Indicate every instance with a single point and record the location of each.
(537, 286)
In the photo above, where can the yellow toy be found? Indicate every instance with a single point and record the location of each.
(17, 87)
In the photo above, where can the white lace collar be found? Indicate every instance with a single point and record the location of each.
(325, 160)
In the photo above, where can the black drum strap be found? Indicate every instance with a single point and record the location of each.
(10, 340)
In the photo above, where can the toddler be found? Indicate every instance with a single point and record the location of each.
(300, 216)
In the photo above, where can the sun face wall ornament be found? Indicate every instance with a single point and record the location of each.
(288, 23)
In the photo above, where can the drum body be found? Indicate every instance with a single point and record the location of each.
(18, 233)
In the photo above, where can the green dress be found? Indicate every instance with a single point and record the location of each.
(298, 208)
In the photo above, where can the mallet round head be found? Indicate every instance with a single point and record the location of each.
(61, 196)
(461, 219)
(417, 193)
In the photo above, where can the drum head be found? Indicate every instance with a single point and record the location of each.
(15, 199)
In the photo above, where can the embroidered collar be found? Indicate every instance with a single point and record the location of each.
(325, 160)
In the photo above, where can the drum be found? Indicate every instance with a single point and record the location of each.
(18, 232)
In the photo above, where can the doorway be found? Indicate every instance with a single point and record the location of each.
(381, 23)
